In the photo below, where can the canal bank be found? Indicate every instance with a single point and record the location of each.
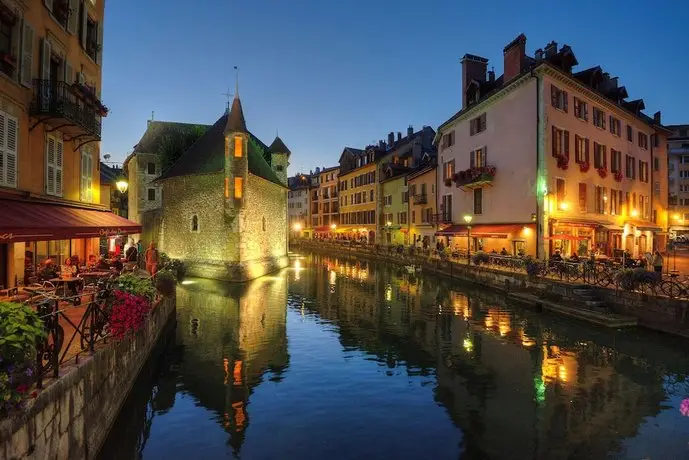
(611, 307)
(71, 417)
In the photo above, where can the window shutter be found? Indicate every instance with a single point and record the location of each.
(84, 21)
(99, 52)
(89, 177)
(553, 140)
(80, 78)
(59, 151)
(472, 127)
(602, 119)
(27, 55)
(69, 73)
(485, 156)
(553, 95)
(10, 134)
(3, 154)
(567, 144)
(565, 97)
(50, 165)
(587, 156)
(73, 20)
(472, 160)
(83, 177)
(45, 59)
(48, 4)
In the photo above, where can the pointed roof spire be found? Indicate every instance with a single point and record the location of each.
(278, 147)
(235, 120)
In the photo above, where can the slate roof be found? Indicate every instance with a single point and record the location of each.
(236, 123)
(156, 131)
(207, 155)
(108, 174)
(278, 147)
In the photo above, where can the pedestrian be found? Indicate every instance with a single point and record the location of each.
(658, 262)
(152, 259)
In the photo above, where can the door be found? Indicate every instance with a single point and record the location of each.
(4, 252)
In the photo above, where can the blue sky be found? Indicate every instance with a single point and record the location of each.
(332, 73)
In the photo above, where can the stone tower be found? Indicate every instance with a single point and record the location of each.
(236, 159)
(279, 158)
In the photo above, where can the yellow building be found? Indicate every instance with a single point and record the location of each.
(357, 190)
(50, 130)
(423, 220)
(326, 202)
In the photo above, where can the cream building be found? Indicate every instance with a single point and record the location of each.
(678, 179)
(545, 158)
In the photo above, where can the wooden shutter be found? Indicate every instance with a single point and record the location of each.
(84, 22)
(99, 52)
(26, 67)
(50, 148)
(3, 154)
(566, 143)
(565, 98)
(73, 21)
(587, 155)
(604, 155)
(46, 52)
(553, 95)
(553, 140)
(485, 156)
(10, 135)
(89, 177)
(577, 153)
(472, 127)
(48, 4)
(59, 154)
(69, 73)
(472, 159)
(82, 185)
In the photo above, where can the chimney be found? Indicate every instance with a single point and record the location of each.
(410, 131)
(399, 136)
(656, 117)
(514, 57)
(539, 54)
(416, 149)
(381, 144)
(491, 75)
(473, 68)
(391, 138)
(551, 49)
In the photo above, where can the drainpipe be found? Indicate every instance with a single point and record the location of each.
(540, 212)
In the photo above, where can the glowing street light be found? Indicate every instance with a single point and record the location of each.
(468, 218)
(122, 185)
(388, 223)
(297, 227)
(333, 226)
(565, 206)
(634, 213)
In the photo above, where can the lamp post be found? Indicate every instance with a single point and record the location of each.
(467, 219)
(122, 185)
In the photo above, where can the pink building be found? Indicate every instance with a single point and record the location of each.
(545, 159)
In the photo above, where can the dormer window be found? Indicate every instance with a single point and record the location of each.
(238, 147)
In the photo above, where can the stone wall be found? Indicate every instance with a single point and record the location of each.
(200, 196)
(72, 416)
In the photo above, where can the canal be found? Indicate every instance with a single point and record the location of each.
(342, 359)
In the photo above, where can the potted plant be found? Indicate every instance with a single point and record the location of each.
(562, 162)
(448, 182)
(584, 166)
(619, 176)
(603, 172)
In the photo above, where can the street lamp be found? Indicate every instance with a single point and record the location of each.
(122, 185)
(297, 227)
(333, 227)
(468, 218)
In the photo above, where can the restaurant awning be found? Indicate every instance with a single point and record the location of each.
(31, 221)
(644, 226)
(482, 231)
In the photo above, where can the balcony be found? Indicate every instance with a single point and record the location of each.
(441, 218)
(421, 199)
(475, 177)
(73, 109)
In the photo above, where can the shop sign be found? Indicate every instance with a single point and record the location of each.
(6, 236)
(110, 231)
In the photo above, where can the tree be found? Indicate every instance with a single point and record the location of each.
(173, 145)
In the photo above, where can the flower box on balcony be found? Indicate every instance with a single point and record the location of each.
(603, 172)
(448, 182)
(584, 166)
(562, 162)
(475, 177)
(619, 176)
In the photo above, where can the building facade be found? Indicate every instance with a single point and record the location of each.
(357, 193)
(110, 196)
(298, 205)
(544, 159)
(326, 202)
(225, 203)
(50, 132)
(678, 179)
(423, 216)
(394, 221)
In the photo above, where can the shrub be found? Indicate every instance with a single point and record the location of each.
(174, 265)
(480, 258)
(132, 284)
(630, 279)
(533, 267)
(20, 330)
(165, 281)
(129, 312)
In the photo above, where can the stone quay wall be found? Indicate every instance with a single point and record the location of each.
(657, 313)
(71, 417)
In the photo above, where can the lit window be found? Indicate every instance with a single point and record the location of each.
(237, 187)
(238, 146)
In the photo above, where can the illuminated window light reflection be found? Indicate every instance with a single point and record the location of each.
(187, 282)
(388, 293)
(468, 345)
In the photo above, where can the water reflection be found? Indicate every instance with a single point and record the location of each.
(380, 355)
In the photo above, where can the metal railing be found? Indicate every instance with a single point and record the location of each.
(59, 99)
(421, 199)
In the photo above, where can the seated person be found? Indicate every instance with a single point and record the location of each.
(117, 265)
(92, 261)
(102, 264)
(503, 252)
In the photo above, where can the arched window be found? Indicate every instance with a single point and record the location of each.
(195, 223)
(264, 224)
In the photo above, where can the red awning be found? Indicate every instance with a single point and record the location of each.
(483, 231)
(27, 221)
(323, 229)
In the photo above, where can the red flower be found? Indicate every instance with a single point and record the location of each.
(34, 394)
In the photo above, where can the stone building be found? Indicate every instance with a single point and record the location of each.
(678, 180)
(298, 204)
(225, 203)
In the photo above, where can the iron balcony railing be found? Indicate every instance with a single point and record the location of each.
(60, 100)
(420, 199)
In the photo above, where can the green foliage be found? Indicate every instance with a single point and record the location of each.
(175, 144)
(132, 284)
(165, 281)
(174, 265)
(20, 330)
(480, 258)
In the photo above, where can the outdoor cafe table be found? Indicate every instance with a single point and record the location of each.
(69, 286)
(100, 274)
